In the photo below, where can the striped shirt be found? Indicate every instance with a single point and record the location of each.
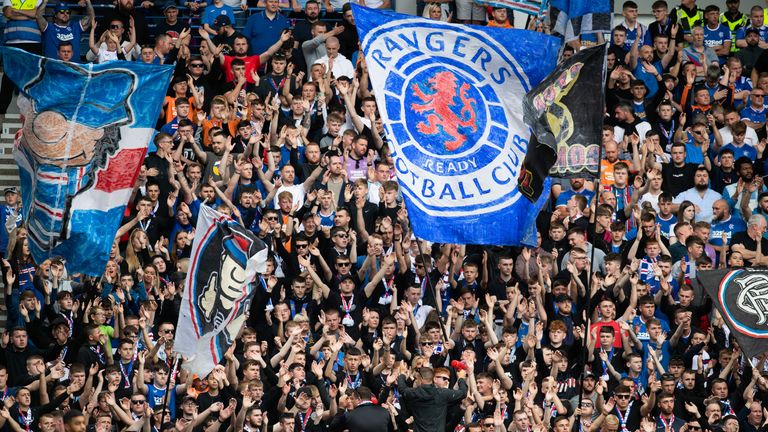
(24, 30)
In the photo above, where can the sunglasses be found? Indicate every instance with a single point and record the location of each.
(445, 378)
(137, 402)
(196, 65)
(344, 264)
(115, 26)
(488, 425)
(167, 331)
(622, 396)
(65, 11)
(427, 344)
(342, 235)
(302, 246)
(271, 218)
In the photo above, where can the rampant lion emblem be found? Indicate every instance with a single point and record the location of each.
(440, 104)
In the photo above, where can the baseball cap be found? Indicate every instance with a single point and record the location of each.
(562, 298)
(221, 21)
(170, 6)
(752, 30)
(11, 190)
(60, 7)
(589, 374)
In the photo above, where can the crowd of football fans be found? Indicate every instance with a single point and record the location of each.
(357, 325)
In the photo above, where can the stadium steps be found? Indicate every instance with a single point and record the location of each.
(9, 173)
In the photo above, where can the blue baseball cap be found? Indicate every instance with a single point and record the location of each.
(60, 7)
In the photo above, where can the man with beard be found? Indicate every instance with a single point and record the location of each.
(62, 29)
(700, 195)
(606, 170)
(724, 224)
(240, 50)
(644, 66)
(626, 123)
(748, 184)
(578, 187)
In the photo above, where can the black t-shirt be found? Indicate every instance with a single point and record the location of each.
(172, 30)
(744, 239)
(677, 179)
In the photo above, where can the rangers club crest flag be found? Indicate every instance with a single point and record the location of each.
(223, 270)
(451, 101)
(567, 134)
(84, 136)
(741, 296)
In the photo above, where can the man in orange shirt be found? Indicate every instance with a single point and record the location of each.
(500, 18)
(609, 161)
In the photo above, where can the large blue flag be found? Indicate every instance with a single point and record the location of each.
(84, 136)
(451, 99)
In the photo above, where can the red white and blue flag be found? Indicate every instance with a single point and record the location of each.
(223, 273)
(84, 136)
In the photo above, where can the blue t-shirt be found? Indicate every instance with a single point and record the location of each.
(649, 80)
(55, 34)
(742, 83)
(730, 227)
(752, 114)
(632, 35)
(666, 225)
(693, 153)
(742, 32)
(717, 37)
(212, 12)
(156, 397)
(263, 32)
(563, 198)
(745, 150)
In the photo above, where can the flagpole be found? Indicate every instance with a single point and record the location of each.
(168, 390)
(427, 271)
(596, 197)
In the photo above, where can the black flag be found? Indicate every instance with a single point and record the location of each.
(565, 112)
(741, 296)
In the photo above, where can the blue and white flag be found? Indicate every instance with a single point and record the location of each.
(573, 18)
(84, 136)
(451, 101)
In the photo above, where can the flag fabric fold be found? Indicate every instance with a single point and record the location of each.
(223, 273)
(573, 18)
(450, 97)
(567, 135)
(741, 297)
(85, 131)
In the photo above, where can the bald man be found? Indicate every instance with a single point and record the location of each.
(341, 65)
